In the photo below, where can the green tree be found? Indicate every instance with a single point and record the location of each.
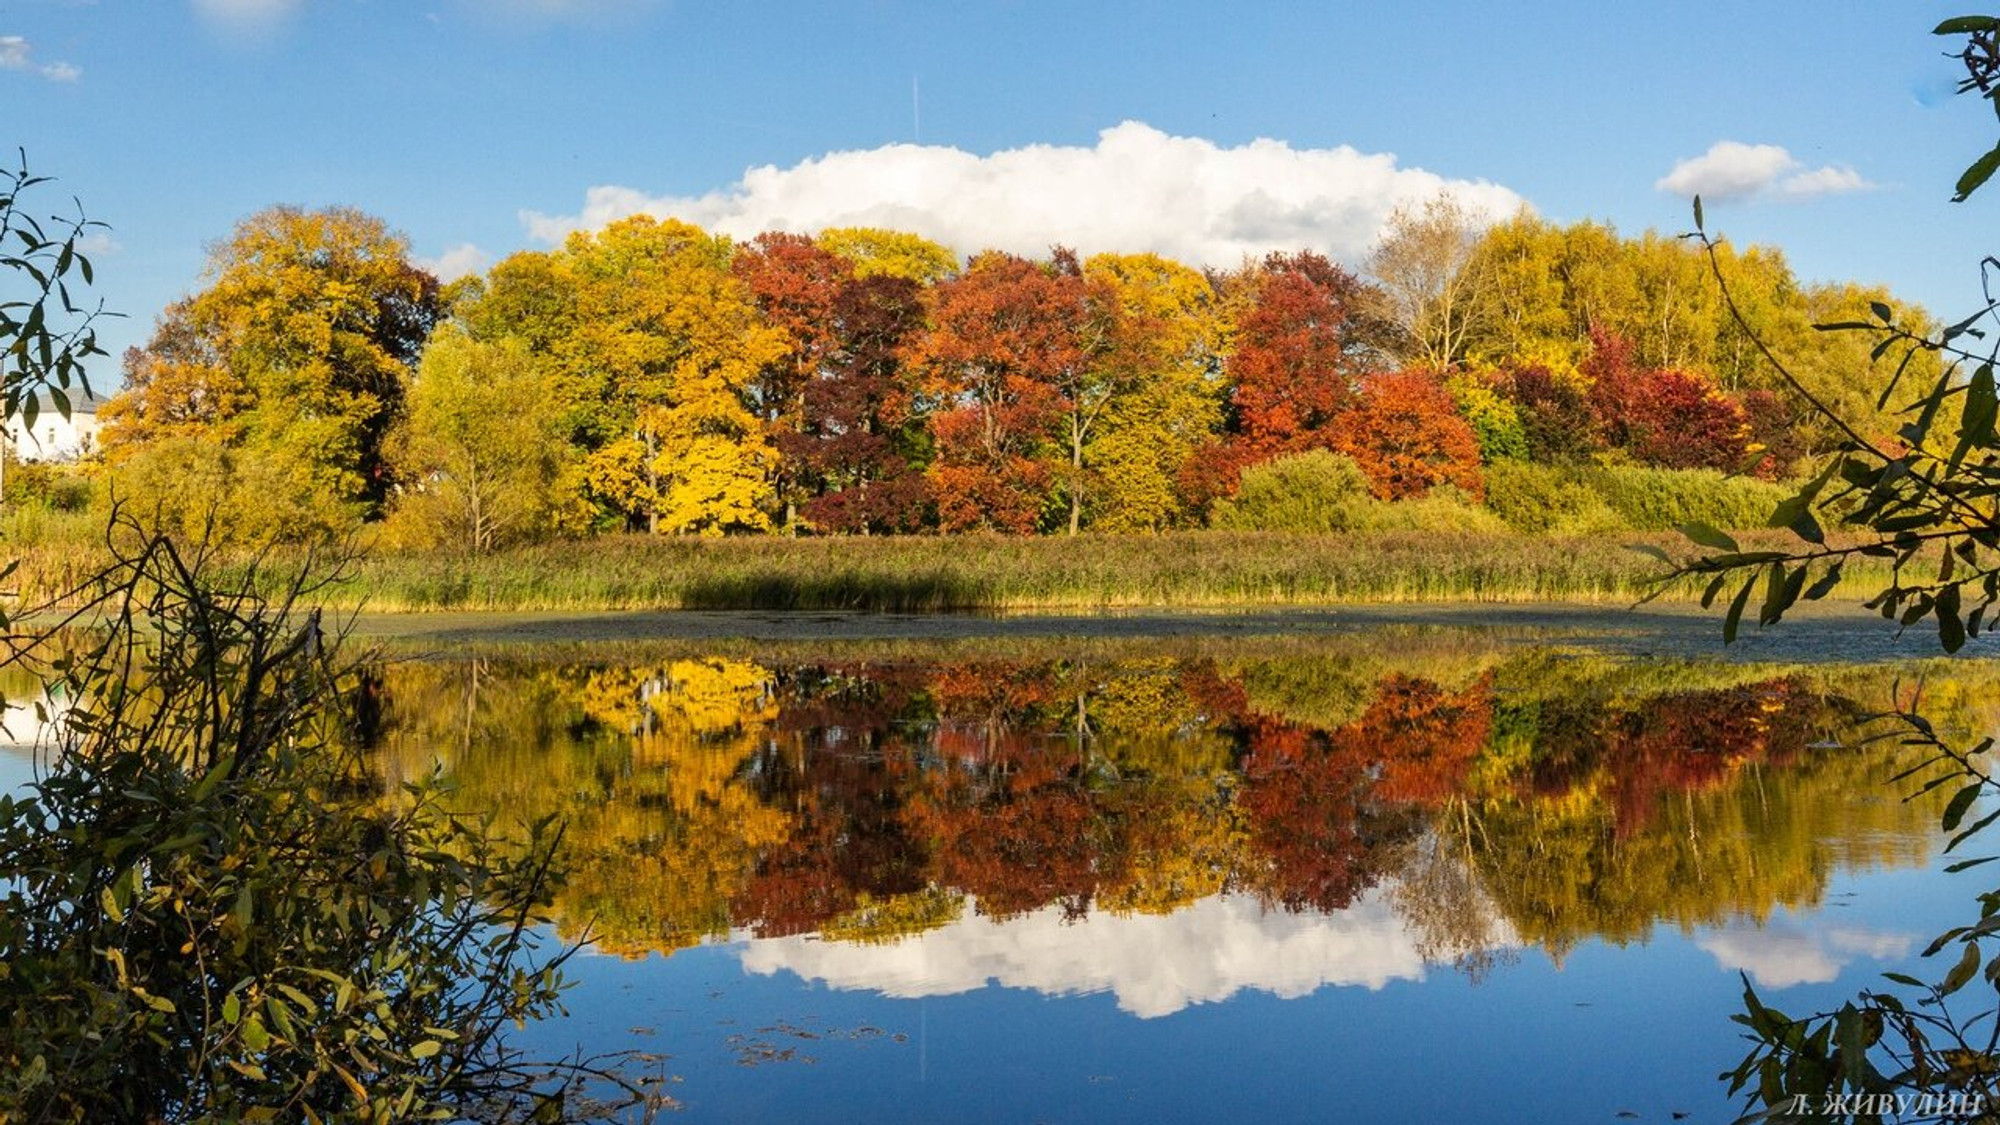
(477, 450)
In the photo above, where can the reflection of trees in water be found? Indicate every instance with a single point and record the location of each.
(1495, 800)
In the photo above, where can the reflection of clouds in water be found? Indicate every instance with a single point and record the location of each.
(1154, 964)
(1781, 954)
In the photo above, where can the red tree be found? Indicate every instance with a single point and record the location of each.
(861, 425)
(1673, 419)
(1002, 334)
(1406, 434)
(1298, 356)
(795, 284)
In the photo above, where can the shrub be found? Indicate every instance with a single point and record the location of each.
(1320, 492)
(1316, 491)
(210, 912)
(1649, 499)
(1547, 499)
(1577, 500)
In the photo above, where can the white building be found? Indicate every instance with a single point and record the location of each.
(53, 437)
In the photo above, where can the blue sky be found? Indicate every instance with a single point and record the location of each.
(479, 127)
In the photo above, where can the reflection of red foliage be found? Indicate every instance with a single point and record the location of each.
(1679, 743)
(1406, 434)
(1424, 738)
(1017, 831)
(830, 770)
(1322, 807)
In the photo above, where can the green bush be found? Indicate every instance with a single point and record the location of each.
(1581, 499)
(1547, 500)
(211, 912)
(1312, 492)
(1319, 492)
(1658, 499)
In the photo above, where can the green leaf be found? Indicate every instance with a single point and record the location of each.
(1961, 801)
(426, 1049)
(1707, 536)
(232, 1009)
(1976, 174)
(1735, 617)
(1968, 964)
(1697, 212)
(1882, 312)
(1966, 25)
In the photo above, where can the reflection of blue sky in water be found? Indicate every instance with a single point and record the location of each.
(1224, 1012)
(17, 768)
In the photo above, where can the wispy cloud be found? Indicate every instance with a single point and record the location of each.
(16, 53)
(1731, 170)
(1136, 189)
(247, 19)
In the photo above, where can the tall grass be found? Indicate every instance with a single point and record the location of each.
(990, 573)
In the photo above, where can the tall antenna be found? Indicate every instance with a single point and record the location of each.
(916, 112)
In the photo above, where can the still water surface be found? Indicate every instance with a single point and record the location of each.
(1403, 875)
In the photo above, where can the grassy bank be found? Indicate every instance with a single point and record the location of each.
(971, 573)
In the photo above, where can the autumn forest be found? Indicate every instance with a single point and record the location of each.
(655, 377)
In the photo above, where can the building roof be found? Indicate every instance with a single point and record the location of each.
(79, 403)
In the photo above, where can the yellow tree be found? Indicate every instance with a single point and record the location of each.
(650, 343)
(876, 252)
(292, 361)
(1172, 332)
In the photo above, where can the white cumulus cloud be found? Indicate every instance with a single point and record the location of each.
(1136, 189)
(1732, 170)
(462, 260)
(16, 53)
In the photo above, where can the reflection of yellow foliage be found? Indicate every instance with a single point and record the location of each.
(890, 920)
(1189, 840)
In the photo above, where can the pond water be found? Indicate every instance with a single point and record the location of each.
(1388, 874)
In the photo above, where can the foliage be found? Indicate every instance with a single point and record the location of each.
(294, 360)
(1316, 492)
(1548, 499)
(1406, 434)
(1661, 417)
(1557, 424)
(1004, 333)
(863, 442)
(1925, 501)
(1171, 334)
(477, 451)
(210, 912)
(1495, 421)
(45, 334)
(891, 253)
